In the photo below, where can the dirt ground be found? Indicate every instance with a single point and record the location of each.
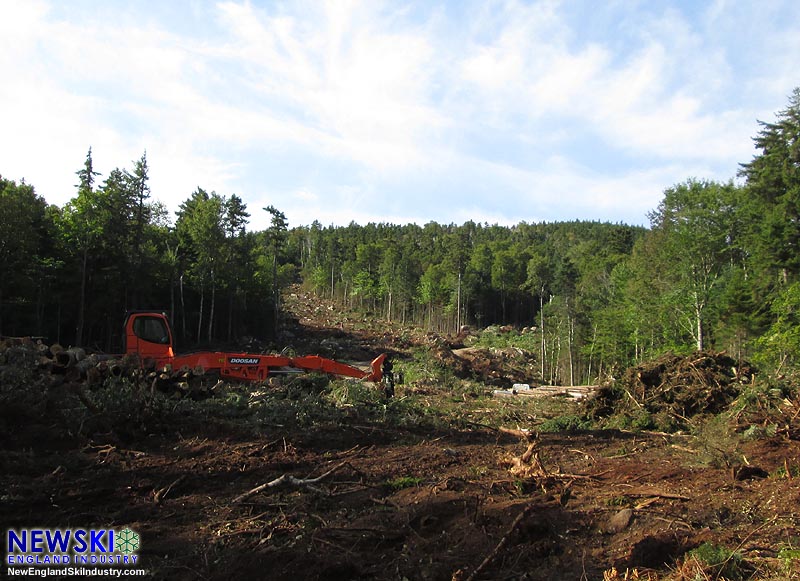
(391, 502)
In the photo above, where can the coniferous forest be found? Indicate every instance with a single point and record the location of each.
(718, 268)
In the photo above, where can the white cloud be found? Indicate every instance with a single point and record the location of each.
(306, 196)
(361, 87)
(347, 110)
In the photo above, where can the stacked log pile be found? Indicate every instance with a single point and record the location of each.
(31, 361)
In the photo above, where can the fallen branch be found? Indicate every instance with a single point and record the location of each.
(289, 480)
(586, 454)
(797, 413)
(685, 449)
(519, 433)
(499, 547)
(567, 476)
(161, 494)
(670, 521)
(747, 538)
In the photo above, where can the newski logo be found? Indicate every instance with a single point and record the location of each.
(41, 546)
(244, 360)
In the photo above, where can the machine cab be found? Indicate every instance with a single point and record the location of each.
(148, 335)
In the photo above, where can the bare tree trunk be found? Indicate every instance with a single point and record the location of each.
(541, 326)
(39, 307)
(591, 355)
(458, 304)
(200, 318)
(183, 310)
(700, 331)
(172, 299)
(82, 305)
(275, 294)
(555, 371)
(570, 339)
(109, 333)
(698, 314)
(230, 316)
(213, 300)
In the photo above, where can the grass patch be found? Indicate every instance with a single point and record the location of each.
(719, 561)
(402, 482)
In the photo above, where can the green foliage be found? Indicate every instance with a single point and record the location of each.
(620, 501)
(773, 187)
(22, 396)
(780, 345)
(493, 337)
(567, 423)
(762, 402)
(695, 223)
(637, 421)
(787, 471)
(346, 393)
(719, 560)
(25, 226)
(426, 369)
(719, 442)
(402, 482)
(788, 555)
(759, 432)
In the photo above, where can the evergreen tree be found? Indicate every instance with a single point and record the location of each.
(276, 236)
(773, 186)
(22, 228)
(82, 227)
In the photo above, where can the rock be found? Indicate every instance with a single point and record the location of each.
(620, 521)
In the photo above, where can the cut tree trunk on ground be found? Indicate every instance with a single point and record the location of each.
(573, 391)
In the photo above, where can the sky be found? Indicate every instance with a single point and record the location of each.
(347, 111)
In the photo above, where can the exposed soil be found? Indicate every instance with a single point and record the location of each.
(408, 503)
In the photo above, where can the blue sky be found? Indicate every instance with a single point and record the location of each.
(398, 112)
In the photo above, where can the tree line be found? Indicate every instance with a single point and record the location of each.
(717, 268)
(72, 272)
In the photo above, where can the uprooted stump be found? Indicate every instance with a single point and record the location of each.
(678, 386)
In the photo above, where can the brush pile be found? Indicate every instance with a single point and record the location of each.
(679, 386)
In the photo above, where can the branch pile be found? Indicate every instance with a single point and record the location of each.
(681, 386)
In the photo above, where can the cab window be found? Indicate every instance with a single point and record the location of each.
(151, 329)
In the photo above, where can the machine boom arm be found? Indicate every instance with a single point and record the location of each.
(148, 335)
